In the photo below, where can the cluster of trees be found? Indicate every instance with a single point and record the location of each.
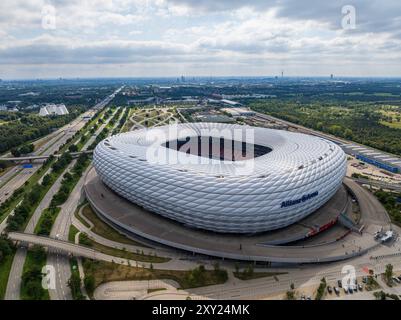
(381, 295)
(89, 283)
(8, 116)
(6, 205)
(102, 135)
(47, 220)
(4, 165)
(388, 274)
(355, 121)
(321, 289)
(31, 199)
(122, 121)
(392, 202)
(31, 284)
(17, 221)
(25, 149)
(74, 283)
(30, 127)
(245, 274)
(84, 239)
(198, 277)
(6, 248)
(67, 184)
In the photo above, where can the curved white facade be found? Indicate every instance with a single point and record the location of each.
(271, 191)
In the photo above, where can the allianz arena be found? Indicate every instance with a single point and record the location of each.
(222, 177)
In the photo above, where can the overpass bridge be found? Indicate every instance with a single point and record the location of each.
(380, 184)
(42, 157)
(64, 246)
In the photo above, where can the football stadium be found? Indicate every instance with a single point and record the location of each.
(222, 178)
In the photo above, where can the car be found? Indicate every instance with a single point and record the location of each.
(336, 290)
(340, 284)
(329, 290)
(360, 287)
(396, 280)
(302, 297)
(345, 290)
(350, 290)
(308, 298)
(399, 278)
(365, 279)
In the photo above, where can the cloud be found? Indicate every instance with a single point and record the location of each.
(372, 16)
(199, 36)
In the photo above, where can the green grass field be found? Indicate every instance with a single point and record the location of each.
(5, 267)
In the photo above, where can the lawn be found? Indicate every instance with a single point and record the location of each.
(35, 260)
(139, 256)
(71, 233)
(104, 230)
(394, 124)
(107, 271)
(5, 267)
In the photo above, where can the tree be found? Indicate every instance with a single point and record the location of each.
(388, 274)
(348, 133)
(74, 283)
(34, 289)
(46, 180)
(89, 282)
(15, 152)
(73, 148)
(290, 295)
(5, 247)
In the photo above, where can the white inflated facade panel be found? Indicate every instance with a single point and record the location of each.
(214, 196)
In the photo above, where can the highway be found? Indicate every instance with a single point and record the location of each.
(17, 176)
(14, 281)
(61, 228)
(41, 157)
(21, 175)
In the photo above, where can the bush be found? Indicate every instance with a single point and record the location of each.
(321, 289)
(89, 283)
(84, 239)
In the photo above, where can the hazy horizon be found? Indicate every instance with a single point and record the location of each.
(170, 38)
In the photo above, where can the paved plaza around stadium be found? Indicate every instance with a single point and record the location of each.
(138, 222)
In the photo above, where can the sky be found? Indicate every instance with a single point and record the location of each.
(152, 38)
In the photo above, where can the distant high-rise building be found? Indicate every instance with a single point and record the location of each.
(182, 79)
(331, 76)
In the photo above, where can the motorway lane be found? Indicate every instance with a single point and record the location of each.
(60, 229)
(14, 283)
(14, 279)
(14, 286)
(55, 143)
